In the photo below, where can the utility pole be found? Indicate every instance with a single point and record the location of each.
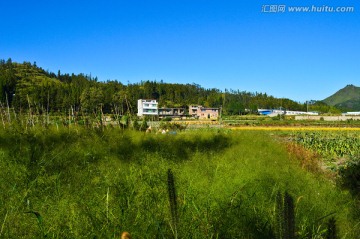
(307, 106)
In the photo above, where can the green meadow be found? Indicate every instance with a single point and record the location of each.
(76, 182)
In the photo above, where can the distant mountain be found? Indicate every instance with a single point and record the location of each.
(346, 99)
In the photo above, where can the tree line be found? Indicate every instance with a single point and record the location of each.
(27, 87)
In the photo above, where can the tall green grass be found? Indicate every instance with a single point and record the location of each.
(97, 183)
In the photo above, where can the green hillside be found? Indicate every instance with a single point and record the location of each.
(346, 99)
(350, 105)
(27, 87)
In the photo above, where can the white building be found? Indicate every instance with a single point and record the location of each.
(351, 113)
(147, 107)
(275, 112)
(290, 112)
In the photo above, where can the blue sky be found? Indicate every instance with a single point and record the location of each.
(217, 44)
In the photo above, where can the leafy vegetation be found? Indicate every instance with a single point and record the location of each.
(350, 175)
(331, 144)
(341, 152)
(78, 182)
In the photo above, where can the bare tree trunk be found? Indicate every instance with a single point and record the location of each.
(69, 117)
(1, 112)
(103, 122)
(15, 116)
(8, 108)
(47, 109)
(117, 112)
(30, 111)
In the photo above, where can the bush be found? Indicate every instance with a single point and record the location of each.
(166, 119)
(350, 176)
(171, 126)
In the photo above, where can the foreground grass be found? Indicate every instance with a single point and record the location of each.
(78, 183)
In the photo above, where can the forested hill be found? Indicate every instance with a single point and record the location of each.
(347, 98)
(26, 86)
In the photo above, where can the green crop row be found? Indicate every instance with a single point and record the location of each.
(330, 144)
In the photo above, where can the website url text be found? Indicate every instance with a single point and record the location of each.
(313, 8)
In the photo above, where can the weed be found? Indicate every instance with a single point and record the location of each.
(91, 183)
(172, 201)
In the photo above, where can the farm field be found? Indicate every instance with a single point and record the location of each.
(295, 128)
(75, 182)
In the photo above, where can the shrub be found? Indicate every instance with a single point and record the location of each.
(166, 119)
(350, 175)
